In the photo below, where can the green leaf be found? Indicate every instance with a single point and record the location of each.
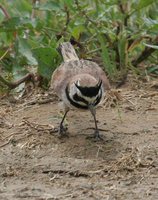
(153, 69)
(144, 3)
(22, 6)
(151, 46)
(122, 45)
(77, 31)
(1, 16)
(49, 6)
(29, 23)
(150, 21)
(69, 3)
(18, 71)
(48, 59)
(10, 24)
(17, 23)
(109, 65)
(25, 50)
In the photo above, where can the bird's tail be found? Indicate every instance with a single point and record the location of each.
(68, 52)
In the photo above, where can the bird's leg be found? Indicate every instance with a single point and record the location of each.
(63, 129)
(96, 133)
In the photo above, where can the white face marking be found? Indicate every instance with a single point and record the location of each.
(74, 90)
(91, 100)
(78, 82)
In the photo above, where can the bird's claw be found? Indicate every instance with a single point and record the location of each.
(96, 136)
(62, 131)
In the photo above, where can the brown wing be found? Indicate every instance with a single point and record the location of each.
(93, 69)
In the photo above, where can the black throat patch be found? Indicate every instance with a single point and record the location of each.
(80, 99)
(77, 105)
(90, 91)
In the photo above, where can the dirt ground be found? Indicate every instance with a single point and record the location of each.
(35, 164)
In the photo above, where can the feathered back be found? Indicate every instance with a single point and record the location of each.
(71, 67)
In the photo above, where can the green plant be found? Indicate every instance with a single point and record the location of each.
(111, 33)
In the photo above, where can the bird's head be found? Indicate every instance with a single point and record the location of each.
(84, 91)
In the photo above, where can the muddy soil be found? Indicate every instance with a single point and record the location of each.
(35, 164)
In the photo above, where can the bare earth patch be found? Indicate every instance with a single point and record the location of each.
(35, 164)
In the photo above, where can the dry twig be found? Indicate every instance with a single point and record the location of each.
(75, 173)
(39, 127)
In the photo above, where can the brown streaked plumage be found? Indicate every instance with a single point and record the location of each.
(79, 83)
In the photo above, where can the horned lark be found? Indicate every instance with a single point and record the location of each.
(80, 84)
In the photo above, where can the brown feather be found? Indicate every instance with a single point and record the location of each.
(66, 71)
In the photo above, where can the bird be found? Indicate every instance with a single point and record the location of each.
(79, 83)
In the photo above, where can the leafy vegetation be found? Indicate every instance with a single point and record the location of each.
(118, 34)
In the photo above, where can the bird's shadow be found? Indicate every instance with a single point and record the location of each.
(78, 145)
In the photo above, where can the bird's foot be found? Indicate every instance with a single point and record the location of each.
(96, 136)
(63, 131)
